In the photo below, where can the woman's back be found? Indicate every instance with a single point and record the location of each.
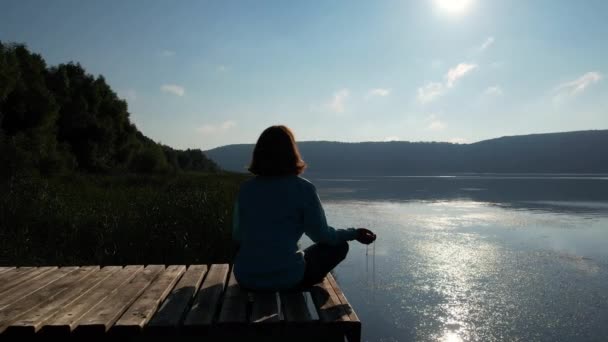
(273, 210)
(269, 222)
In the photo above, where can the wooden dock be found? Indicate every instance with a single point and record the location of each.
(158, 300)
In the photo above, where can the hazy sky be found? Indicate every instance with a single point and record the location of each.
(209, 73)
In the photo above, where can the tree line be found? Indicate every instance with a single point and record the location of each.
(60, 119)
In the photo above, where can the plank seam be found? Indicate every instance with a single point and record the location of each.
(220, 302)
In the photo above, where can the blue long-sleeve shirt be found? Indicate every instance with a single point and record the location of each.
(270, 216)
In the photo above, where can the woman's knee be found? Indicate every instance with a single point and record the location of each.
(342, 250)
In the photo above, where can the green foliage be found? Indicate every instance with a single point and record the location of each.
(61, 119)
(105, 220)
(80, 184)
(149, 159)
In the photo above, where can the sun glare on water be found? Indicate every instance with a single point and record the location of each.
(453, 6)
(451, 337)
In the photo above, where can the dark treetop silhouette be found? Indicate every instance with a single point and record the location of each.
(61, 119)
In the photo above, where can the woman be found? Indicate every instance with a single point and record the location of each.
(272, 212)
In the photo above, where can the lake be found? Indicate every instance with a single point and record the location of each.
(475, 258)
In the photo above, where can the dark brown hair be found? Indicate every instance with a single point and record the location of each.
(276, 153)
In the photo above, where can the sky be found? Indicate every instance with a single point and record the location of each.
(202, 74)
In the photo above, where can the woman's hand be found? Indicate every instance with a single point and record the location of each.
(365, 236)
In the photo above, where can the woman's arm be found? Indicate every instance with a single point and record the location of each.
(315, 223)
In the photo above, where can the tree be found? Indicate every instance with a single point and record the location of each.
(61, 118)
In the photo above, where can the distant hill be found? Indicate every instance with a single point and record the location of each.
(567, 152)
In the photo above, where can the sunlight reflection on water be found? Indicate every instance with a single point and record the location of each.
(451, 337)
(465, 271)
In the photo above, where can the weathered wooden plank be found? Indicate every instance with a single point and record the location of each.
(42, 296)
(266, 308)
(266, 319)
(6, 269)
(31, 286)
(64, 321)
(328, 305)
(296, 309)
(7, 275)
(140, 313)
(20, 277)
(171, 312)
(351, 313)
(302, 324)
(99, 320)
(14, 272)
(234, 307)
(34, 320)
(206, 302)
(58, 300)
(353, 333)
(310, 305)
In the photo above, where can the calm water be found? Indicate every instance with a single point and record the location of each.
(470, 258)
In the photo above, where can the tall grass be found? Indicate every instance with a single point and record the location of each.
(117, 220)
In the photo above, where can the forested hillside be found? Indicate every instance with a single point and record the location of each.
(566, 152)
(57, 119)
(80, 184)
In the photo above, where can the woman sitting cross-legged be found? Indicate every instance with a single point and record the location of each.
(272, 212)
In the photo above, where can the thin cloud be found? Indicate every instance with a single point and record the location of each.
(167, 53)
(435, 124)
(580, 84)
(338, 101)
(458, 72)
(173, 89)
(488, 42)
(493, 91)
(430, 92)
(222, 68)
(216, 128)
(381, 92)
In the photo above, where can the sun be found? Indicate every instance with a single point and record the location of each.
(453, 6)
